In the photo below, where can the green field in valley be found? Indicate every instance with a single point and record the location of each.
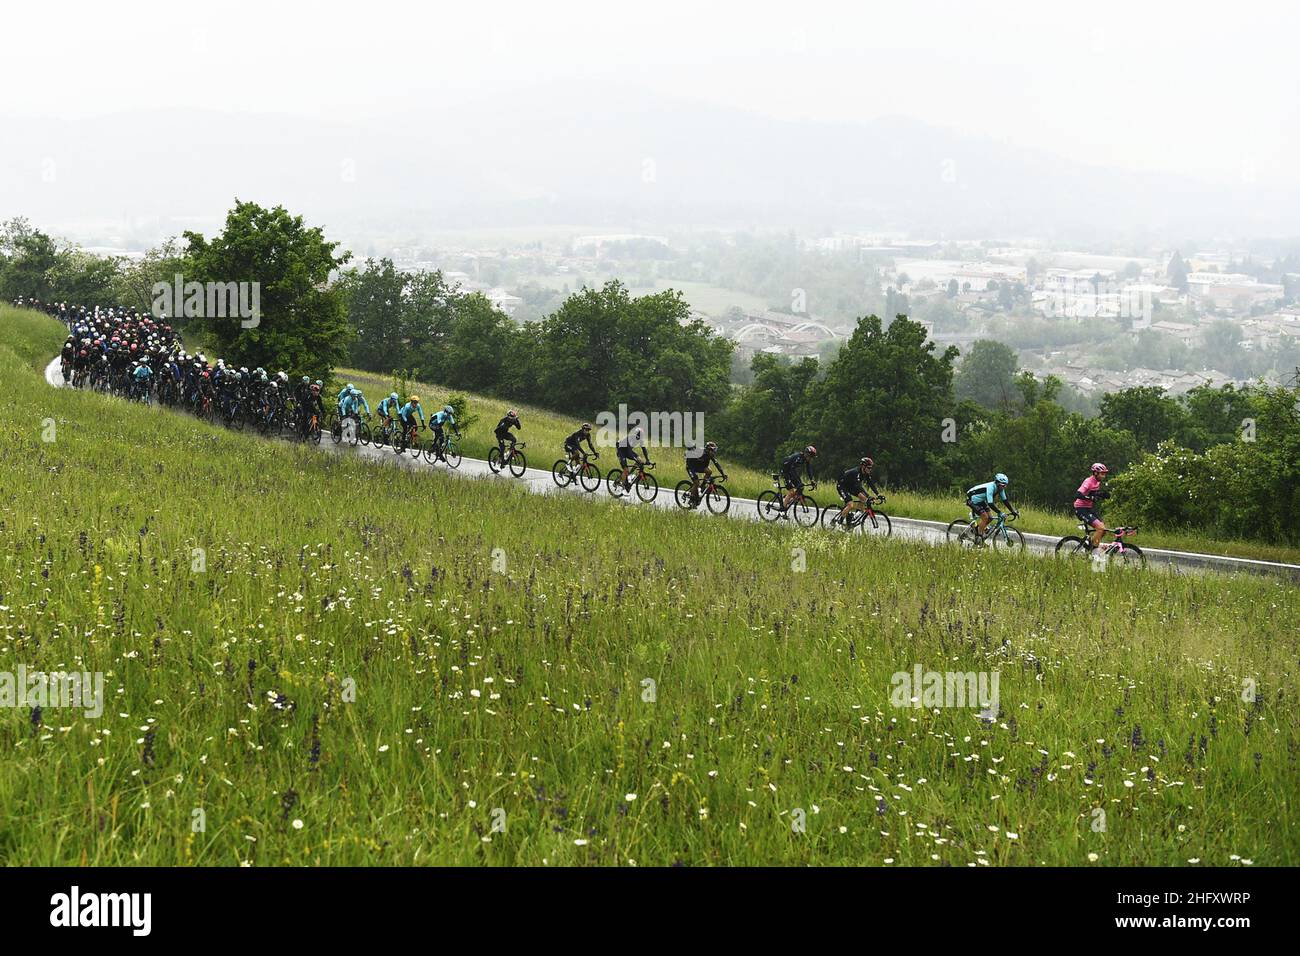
(308, 658)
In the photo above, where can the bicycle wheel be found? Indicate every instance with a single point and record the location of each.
(1071, 546)
(494, 460)
(877, 523)
(560, 473)
(336, 430)
(1009, 538)
(805, 511)
(829, 514)
(518, 464)
(682, 494)
(451, 452)
(614, 483)
(363, 433)
(1130, 557)
(769, 505)
(589, 477)
(718, 500)
(647, 488)
(956, 527)
(314, 434)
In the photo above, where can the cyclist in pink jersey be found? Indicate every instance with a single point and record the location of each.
(1085, 503)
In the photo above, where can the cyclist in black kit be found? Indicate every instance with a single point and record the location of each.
(502, 433)
(790, 472)
(697, 468)
(849, 485)
(573, 444)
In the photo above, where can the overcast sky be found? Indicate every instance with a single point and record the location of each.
(1166, 86)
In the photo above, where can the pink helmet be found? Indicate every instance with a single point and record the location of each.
(1099, 469)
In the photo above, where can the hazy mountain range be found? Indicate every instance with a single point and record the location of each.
(564, 155)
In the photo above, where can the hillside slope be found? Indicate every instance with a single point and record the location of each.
(327, 663)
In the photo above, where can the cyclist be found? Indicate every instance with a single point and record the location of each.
(342, 399)
(849, 486)
(408, 414)
(444, 416)
(353, 402)
(313, 404)
(697, 468)
(626, 452)
(790, 472)
(141, 376)
(388, 409)
(502, 434)
(980, 499)
(573, 444)
(1085, 503)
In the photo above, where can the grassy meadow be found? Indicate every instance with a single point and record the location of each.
(311, 659)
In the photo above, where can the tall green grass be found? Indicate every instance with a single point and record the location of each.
(328, 661)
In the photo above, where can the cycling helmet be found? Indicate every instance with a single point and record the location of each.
(415, 399)
(811, 450)
(710, 446)
(282, 377)
(306, 379)
(351, 387)
(586, 426)
(1001, 479)
(1099, 469)
(353, 391)
(512, 414)
(394, 396)
(448, 409)
(319, 383)
(867, 463)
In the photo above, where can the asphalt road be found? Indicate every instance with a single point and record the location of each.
(539, 480)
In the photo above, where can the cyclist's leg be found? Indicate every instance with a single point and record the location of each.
(1099, 530)
(794, 489)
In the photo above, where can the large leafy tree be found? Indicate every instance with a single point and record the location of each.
(1145, 411)
(303, 325)
(885, 395)
(756, 425)
(602, 347)
(987, 375)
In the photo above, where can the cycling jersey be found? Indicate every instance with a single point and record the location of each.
(987, 494)
(354, 405)
(699, 462)
(851, 481)
(790, 466)
(389, 407)
(441, 418)
(409, 411)
(573, 442)
(503, 427)
(1087, 493)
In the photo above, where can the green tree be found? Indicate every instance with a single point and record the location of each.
(885, 395)
(1146, 412)
(987, 375)
(303, 324)
(602, 347)
(757, 423)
